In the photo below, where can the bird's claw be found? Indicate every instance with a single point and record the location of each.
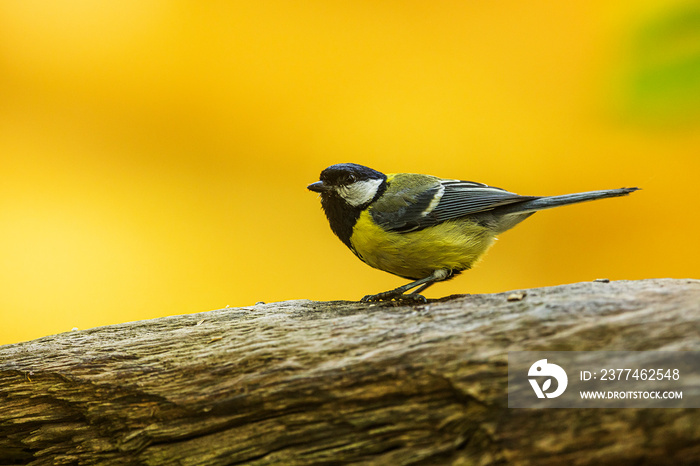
(375, 298)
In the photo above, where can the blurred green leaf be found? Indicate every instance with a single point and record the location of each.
(663, 82)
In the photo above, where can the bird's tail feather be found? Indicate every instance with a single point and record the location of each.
(548, 202)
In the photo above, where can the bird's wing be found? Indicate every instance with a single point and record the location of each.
(413, 202)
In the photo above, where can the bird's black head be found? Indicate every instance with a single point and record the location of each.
(346, 189)
(351, 183)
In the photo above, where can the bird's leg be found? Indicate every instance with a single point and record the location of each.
(398, 293)
(420, 290)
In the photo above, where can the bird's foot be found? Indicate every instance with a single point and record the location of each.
(397, 295)
(415, 297)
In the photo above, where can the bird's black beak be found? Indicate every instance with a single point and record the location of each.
(318, 187)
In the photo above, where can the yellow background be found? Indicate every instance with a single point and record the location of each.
(154, 156)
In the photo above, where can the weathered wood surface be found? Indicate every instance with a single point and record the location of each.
(305, 382)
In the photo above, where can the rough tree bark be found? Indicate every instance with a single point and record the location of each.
(305, 382)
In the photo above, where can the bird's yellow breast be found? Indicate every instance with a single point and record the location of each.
(453, 245)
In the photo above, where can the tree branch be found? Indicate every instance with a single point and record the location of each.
(305, 382)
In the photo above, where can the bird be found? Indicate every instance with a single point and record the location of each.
(421, 227)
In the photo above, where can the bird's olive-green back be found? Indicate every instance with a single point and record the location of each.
(406, 196)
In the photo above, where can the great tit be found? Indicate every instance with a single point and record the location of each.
(421, 227)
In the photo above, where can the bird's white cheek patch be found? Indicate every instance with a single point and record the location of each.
(360, 192)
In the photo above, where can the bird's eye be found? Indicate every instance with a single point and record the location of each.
(351, 179)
